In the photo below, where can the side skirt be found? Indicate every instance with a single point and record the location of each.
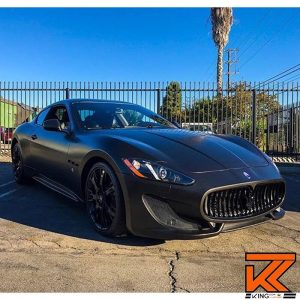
(57, 187)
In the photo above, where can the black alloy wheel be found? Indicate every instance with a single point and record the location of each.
(104, 200)
(17, 164)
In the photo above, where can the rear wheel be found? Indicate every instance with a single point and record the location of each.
(18, 165)
(104, 200)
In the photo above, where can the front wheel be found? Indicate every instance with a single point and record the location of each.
(104, 200)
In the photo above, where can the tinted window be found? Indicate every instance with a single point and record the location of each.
(41, 117)
(84, 113)
(93, 115)
(60, 113)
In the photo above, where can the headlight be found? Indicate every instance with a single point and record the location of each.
(150, 170)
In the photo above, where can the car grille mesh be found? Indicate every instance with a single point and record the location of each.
(245, 201)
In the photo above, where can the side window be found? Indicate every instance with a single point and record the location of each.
(87, 118)
(132, 117)
(60, 113)
(41, 117)
(84, 113)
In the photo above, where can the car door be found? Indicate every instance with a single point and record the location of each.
(49, 149)
(28, 142)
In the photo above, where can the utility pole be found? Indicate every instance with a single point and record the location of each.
(231, 60)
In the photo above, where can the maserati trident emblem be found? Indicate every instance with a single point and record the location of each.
(250, 199)
(246, 175)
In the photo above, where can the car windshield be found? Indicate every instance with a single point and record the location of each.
(97, 115)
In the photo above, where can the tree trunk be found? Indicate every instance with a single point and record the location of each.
(220, 70)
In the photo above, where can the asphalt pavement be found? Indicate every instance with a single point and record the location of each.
(47, 244)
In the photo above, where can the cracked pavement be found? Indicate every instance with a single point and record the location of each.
(48, 245)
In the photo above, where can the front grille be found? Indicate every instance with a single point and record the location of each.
(243, 201)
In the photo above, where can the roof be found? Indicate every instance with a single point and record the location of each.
(65, 101)
(16, 103)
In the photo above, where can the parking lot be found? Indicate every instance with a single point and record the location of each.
(47, 244)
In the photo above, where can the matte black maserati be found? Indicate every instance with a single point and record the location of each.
(137, 172)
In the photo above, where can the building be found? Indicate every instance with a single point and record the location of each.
(13, 113)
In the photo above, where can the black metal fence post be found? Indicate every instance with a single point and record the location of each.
(67, 93)
(291, 131)
(267, 133)
(274, 112)
(158, 101)
(254, 116)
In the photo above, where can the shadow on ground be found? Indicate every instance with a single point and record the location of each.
(36, 206)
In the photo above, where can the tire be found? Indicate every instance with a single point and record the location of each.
(18, 165)
(104, 201)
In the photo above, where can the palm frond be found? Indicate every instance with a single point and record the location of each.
(221, 19)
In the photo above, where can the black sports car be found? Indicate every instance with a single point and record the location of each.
(137, 171)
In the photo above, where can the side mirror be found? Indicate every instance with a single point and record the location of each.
(52, 124)
(176, 124)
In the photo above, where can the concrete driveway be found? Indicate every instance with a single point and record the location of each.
(48, 245)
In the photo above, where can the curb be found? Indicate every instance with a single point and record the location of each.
(289, 168)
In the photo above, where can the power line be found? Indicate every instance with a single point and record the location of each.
(284, 27)
(294, 89)
(251, 57)
(286, 83)
(274, 77)
(257, 36)
(242, 41)
(284, 75)
(260, 20)
(211, 74)
(293, 78)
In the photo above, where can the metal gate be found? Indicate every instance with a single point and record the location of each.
(266, 114)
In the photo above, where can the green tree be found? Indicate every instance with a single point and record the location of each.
(233, 114)
(171, 107)
(132, 117)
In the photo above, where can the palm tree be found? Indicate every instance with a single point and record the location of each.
(221, 20)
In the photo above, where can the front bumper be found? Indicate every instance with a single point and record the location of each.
(164, 211)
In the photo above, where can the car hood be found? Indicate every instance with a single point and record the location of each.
(194, 151)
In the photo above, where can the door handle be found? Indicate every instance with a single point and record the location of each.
(34, 137)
